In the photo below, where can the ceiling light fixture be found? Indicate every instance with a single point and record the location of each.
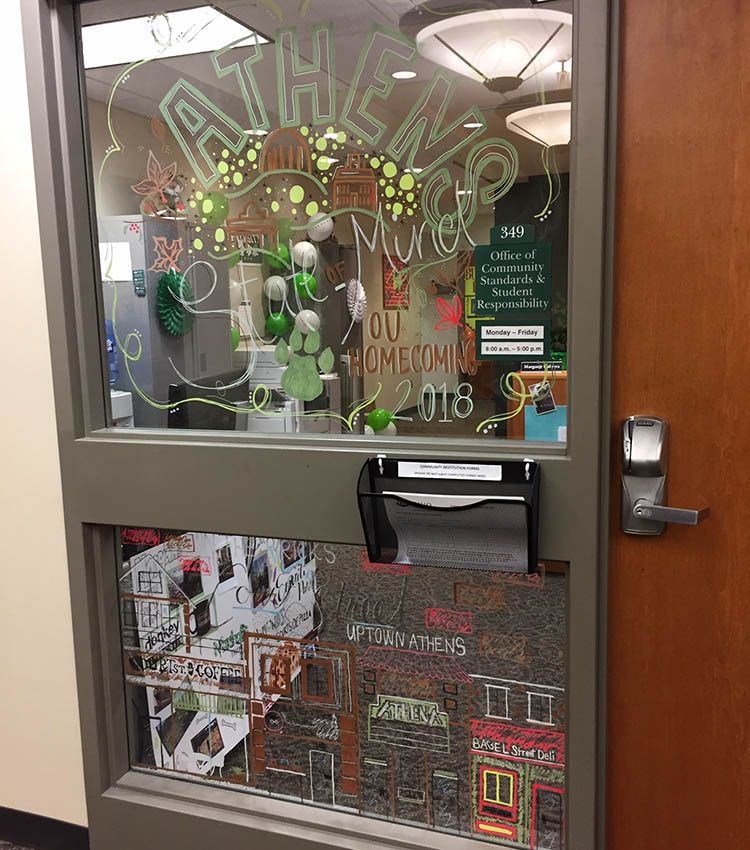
(256, 132)
(472, 125)
(200, 30)
(548, 124)
(500, 48)
(404, 75)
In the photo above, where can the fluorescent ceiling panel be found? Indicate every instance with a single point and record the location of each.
(182, 33)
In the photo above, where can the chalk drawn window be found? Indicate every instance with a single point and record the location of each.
(347, 219)
(548, 818)
(497, 701)
(129, 618)
(498, 793)
(150, 615)
(540, 709)
(149, 581)
(317, 680)
(226, 567)
(276, 675)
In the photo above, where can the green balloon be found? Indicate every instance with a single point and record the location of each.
(235, 335)
(379, 418)
(285, 230)
(277, 324)
(215, 208)
(279, 259)
(306, 284)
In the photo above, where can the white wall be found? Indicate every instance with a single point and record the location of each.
(41, 750)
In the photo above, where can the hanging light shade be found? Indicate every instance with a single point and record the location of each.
(548, 124)
(500, 48)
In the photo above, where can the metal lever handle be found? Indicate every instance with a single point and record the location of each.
(644, 509)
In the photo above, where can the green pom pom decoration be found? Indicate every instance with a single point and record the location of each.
(235, 336)
(171, 290)
(215, 208)
(306, 284)
(379, 419)
(277, 324)
(279, 259)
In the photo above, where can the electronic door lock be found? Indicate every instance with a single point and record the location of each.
(644, 479)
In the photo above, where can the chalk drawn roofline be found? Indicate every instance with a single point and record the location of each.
(411, 663)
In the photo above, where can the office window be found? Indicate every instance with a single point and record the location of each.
(497, 701)
(149, 581)
(372, 252)
(497, 792)
(540, 709)
(317, 680)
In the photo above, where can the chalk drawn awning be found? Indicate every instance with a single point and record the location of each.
(411, 663)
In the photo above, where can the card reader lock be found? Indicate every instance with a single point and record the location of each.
(645, 442)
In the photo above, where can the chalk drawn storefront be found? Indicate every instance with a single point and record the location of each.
(303, 720)
(413, 704)
(517, 777)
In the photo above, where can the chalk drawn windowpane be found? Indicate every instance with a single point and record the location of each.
(498, 787)
(540, 709)
(497, 701)
(149, 581)
(150, 615)
(498, 793)
(411, 795)
(317, 680)
(276, 675)
(129, 619)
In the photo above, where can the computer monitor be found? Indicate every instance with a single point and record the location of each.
(209, 417)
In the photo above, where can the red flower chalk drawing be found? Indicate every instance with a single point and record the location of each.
(452, 313)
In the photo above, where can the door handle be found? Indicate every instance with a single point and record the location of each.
(644, 509)
(645, 442)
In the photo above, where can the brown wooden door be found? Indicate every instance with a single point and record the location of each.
(679, 616)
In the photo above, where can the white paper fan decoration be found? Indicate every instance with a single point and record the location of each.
(356, 300)
(356, 304)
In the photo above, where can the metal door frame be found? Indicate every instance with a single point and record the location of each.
(126, 807)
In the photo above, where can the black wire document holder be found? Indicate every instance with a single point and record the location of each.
(469, 515)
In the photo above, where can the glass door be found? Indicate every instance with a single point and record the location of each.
(293, 236)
